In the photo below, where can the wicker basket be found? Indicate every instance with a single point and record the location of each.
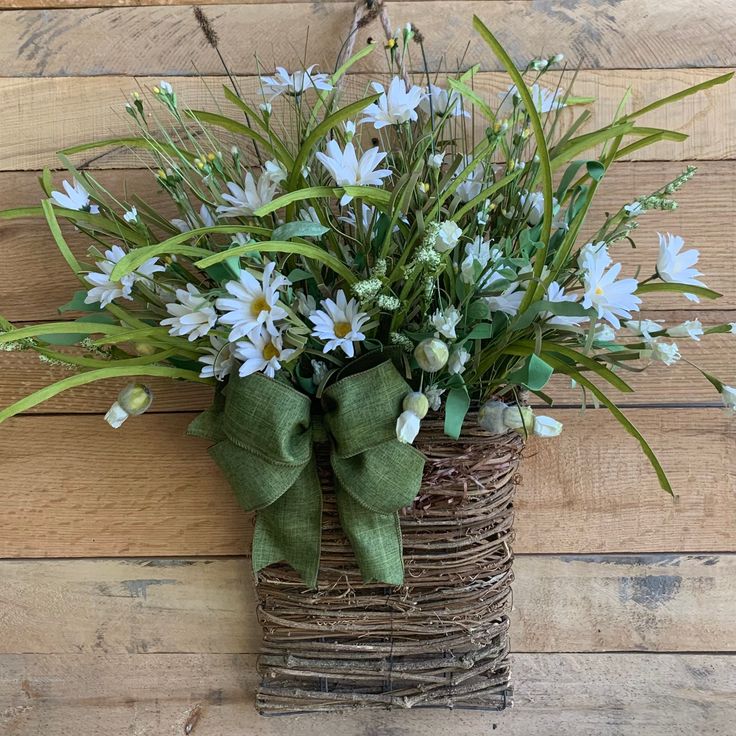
(442, 638)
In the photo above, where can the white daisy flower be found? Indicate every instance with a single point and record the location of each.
(296, 83)
(692, 328)
(394, 107)
(439, 101)
(76, 198)
(245, 200)
(676, 267)
(104, 290)
(556, 293)
(255, 303)
(445, 321)
(544, 100)
(610, 298)
(220, 361)
(262, 352)
(345, 168)
(339, 323)
(192, 314)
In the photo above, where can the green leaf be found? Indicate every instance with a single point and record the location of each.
(481, 331)
(534, 374)
(66, 252)
(596, 169)
(77, 304)
(81, 379)
(300, 229)
(72, 338)
(681, 288)
(561, 309)
(456, 407)
(87, 327)
(478, 310)
(474, 97)
(277, 246)
(131, 142)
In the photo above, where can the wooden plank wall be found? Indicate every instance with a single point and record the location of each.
(126, 600)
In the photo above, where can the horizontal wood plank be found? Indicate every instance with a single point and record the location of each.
(703, 218)
(563, 694)
(561, 604)
(90, 108)
(166, 40)
(78, 488)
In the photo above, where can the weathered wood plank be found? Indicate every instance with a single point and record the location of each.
(90, 108)
(575, 603)
(703, 218)
(563, 694)
(78, 489)
(166, 40)
(682, 385)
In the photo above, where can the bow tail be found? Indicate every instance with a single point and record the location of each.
(374, 537)
(290, 528)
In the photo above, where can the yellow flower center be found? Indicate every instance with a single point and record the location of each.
(598, 291)
(270, 351)
(342, 329)
(259, 305)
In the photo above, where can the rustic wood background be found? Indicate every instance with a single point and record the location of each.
(126, 604)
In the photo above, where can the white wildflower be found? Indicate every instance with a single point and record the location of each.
(448, 235)
(407, 427)
(275, 171)
(434, 396)
(394, 107)
(76, 198)
(339, 323)
(262, 352)
(666, 352)
(309, 214)
(245, 200)
(472, 185)
(457, 361)
(255, 303)
(439, 101)
(319, 371)
(604, 333)
(205, 217)
(644, 327)
(296, 83)
(192, 314)
(597, 251)
(728, 394)
(544, 100)
(131, 215)
(508, 301)
(435, 160)
(547, 427)
(676, 267)
(345, 168)
(445, 321)
(305, 303)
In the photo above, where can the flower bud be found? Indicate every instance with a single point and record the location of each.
(490, 416)
(407, 427)
(547, 427)
(417, 402)
(520, 418)
(431, 354)
(135, 398)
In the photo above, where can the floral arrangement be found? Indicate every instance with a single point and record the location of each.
(425, 222)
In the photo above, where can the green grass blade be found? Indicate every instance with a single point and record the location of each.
(680, 288)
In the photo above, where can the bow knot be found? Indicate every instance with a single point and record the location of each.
(265, 433)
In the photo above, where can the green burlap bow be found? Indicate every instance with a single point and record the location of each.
(265, 432)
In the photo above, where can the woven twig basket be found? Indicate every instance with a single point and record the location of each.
(439, 640)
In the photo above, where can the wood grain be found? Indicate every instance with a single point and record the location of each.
(79, 489)
(560, 694)
(90, 108)
(166, 40)
(704, 218)
(575, 603)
